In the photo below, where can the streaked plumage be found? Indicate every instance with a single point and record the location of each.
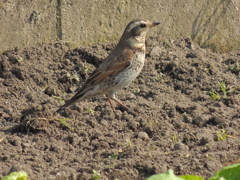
(120, 68)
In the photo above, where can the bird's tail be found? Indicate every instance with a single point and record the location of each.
(77, 97)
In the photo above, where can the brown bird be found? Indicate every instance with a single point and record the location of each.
(120, 68)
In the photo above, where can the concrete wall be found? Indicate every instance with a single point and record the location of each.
(26, 23)
(211, 23)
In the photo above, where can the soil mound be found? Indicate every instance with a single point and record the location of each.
(185, 113)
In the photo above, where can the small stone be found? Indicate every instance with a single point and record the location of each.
(155, 52)
(180, 146)
(199, 121)
(191, 55)
(26, 145)
(50, 91)
(143, 135)
(130, 96)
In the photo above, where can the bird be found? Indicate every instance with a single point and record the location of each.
(119, 68)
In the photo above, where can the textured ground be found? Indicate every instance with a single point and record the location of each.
(173, 121)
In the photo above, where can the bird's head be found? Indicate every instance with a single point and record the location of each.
(135, 33)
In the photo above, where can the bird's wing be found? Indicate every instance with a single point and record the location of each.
(111, 66)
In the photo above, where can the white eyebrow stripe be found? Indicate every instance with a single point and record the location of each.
(135, 24)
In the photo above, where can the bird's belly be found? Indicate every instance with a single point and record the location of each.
(125, 77)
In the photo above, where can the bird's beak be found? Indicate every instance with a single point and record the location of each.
(155, 23)
(152, 24)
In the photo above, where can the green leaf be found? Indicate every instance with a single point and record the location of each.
(231, 172)
(191, 177)
(64, 123)
(21, 175)
(96, 175)
(59, 98)
(168, 175)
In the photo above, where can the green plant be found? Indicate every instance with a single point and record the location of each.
(231, 172)
(90, 111)
(223, 88)
(175, 138)
(191, 177)
(21, 175)
(63, 121)
(59, 98)
(214, 95)
(114, 156)
(137, 91)
(168, 175)
(222, 135)
(96, 175)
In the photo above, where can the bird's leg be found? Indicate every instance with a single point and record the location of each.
(110, 102)
(119, 102)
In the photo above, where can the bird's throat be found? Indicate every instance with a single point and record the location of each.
(137, 42)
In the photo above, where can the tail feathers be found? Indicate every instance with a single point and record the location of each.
(68, 103)
(74, 99)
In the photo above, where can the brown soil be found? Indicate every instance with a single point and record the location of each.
(173, 122)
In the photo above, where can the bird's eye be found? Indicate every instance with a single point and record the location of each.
(142, 25)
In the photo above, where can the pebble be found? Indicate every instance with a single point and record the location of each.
(180, 146)
(199, 121)
(155, 52)
(143, 135)
(191, 55)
